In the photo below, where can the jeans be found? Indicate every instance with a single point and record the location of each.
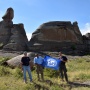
(27, 68)
(63, 72)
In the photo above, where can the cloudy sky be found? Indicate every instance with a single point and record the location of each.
(32, 13)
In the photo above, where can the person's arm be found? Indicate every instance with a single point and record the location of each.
(31, 63)
(35, 61)
(21, 65)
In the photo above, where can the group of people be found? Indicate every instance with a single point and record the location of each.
(38, 60)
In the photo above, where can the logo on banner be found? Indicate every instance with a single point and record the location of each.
(51, 62)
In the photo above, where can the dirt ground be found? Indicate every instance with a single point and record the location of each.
(9, 53)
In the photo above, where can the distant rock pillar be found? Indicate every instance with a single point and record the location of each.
(9, 15)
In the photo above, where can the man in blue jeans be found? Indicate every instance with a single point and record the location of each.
(25, 63)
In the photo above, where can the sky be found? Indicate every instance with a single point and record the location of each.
(33, 13)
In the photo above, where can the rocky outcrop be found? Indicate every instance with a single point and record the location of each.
(59, 31)
(12, 36)
(86, 38)
(9, 15)
(55, 35)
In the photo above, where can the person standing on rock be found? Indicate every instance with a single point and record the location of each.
(62, 67)
(38, 60)
(25, 63)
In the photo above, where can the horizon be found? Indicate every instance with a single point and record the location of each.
(34, 13)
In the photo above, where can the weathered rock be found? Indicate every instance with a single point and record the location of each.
(8, 15)
(56, 34)
(12, 36)
(59, 31)
(18, 39)
(16, 61)
(86, 38)
(87, 35)
(5, 32)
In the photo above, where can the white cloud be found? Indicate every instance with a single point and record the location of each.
(29, 35)
(86, 29)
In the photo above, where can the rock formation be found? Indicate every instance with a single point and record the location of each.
(50, 36)
(9, 15)
(12, 36)
(56, 35)
(58, 31)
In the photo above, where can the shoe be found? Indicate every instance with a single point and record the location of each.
(31, 81)
(42, 80)
(62, 80)
(25, 82)
(68, 82)
(38, 79)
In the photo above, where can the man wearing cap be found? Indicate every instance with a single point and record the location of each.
(38, 60)
(25, 63)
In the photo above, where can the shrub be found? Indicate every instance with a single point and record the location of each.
(4, 71)
(18, 73)
(3, 59)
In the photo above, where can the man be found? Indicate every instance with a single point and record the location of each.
(62, 68)
(25, 63)
(38, 60)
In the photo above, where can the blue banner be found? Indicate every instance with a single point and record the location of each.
(50, 62)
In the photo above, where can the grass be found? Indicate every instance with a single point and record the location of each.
(78, 71)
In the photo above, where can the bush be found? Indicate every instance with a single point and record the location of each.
(18, 73)
(4, 71)
(3, 59)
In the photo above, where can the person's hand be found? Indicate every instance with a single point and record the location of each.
(22, 71)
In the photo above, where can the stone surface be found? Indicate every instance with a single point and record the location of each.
(12, 36)
(9, 15)
(60, 31)
(16, 61)
(18, 39)
(55, 35)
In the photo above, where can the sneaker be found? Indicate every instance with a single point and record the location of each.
(31, 81)
(62, 80)
(38, 79)
(25, 82)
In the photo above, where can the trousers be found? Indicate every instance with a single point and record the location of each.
(39, 70)
(63, 72)
(27, 69)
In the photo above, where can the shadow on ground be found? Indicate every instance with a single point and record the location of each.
(69, 84)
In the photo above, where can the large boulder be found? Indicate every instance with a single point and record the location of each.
(16, 61)
(55, 34)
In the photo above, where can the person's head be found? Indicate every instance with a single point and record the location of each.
(60, 53)
(36, 54)
(25, 53)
